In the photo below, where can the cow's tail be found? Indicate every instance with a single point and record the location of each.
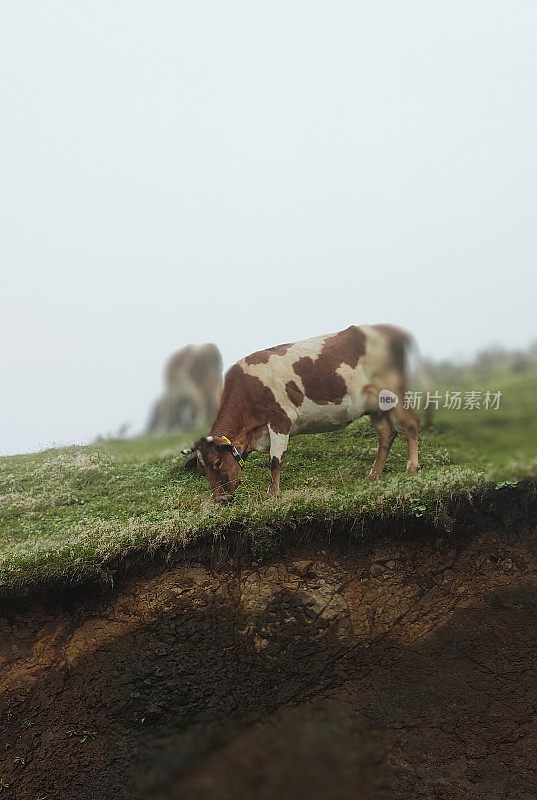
(417, 368)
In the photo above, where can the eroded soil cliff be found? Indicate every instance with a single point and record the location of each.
(388, 670)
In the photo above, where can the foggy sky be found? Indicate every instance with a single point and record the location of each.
(252, 173)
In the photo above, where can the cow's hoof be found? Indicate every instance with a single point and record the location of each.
(373, 476)
(272, 491)
(413, 469)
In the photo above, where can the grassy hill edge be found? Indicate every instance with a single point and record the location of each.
(104, 561)
(81, 515)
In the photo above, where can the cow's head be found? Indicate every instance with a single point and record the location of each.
(215, 459)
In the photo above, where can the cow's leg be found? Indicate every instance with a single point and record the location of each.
(410, 425)
(278, 446)
(386, 431)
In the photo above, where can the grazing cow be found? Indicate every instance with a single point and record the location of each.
(193, 378)
(319, 384)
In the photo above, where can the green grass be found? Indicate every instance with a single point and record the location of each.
(67, 514)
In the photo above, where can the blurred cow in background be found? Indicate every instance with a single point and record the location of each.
(193, 385)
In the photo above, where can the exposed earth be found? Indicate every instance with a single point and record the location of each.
(396, 669)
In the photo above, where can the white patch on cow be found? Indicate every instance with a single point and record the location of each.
(319, 418)
(200, 457)
(261, 442)
(278, 443)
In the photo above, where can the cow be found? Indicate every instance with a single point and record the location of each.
(311, 386)
(193, 386)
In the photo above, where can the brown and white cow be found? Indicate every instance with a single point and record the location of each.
(319, 384)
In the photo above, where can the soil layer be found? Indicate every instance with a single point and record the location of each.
(389, 669)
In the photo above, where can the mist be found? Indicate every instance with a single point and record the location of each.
(246, 175)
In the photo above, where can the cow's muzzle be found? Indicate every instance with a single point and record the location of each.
(222, 499)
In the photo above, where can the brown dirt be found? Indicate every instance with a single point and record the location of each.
(400, 669)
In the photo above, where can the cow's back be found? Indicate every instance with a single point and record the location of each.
(326, 382)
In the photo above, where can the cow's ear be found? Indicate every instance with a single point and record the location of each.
(187, 451)
(192, 465)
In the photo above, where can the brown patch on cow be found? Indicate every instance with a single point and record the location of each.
(247, 404)
(262, 356)
(322, 384)
(295, 395)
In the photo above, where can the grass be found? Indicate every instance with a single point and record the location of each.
(67, 514)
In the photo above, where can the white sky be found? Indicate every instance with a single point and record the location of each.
(251, 173)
